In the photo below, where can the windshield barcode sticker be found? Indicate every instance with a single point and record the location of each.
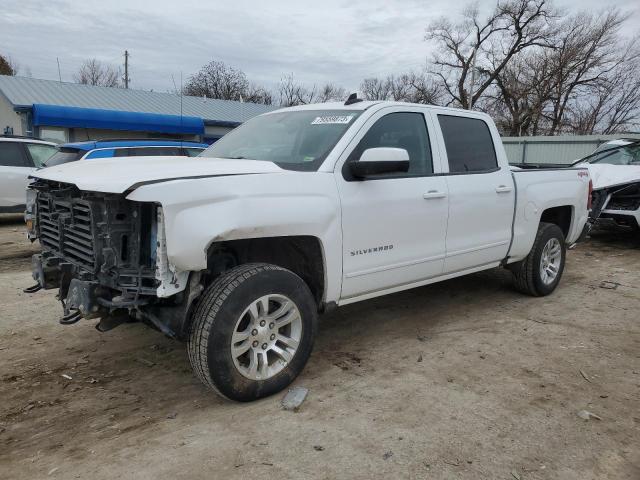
(333, 119)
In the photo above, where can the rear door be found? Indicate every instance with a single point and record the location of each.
(15, 168)
(481, 192)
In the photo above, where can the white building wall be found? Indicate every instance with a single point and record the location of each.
(9, 118)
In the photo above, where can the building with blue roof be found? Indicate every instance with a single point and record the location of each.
(71, 112)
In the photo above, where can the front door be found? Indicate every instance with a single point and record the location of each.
(393, 226)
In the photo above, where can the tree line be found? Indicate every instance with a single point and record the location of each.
(534, 68)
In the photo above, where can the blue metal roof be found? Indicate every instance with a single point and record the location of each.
(61, 116)
(92, 145)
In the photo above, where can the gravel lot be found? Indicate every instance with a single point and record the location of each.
(464, 379)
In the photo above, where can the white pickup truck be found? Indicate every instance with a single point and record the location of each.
(293, 213)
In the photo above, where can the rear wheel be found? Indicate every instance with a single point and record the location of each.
(540, 272)
(252, 331)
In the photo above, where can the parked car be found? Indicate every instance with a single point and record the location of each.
(70, 152)
(615, 171)
(294, 213)
(19, 157)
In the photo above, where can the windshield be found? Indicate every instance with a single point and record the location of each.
(617, 155)
(295, 140)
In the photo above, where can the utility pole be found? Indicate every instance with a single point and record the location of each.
(59, 75)
(126, 69)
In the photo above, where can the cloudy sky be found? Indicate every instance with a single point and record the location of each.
(330, 40)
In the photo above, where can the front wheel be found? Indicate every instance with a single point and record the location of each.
(252, 331)
(540, 272)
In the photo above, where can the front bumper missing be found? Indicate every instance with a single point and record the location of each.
(81, 298)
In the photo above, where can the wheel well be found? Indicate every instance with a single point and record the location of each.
(560, 216)
(300, 254)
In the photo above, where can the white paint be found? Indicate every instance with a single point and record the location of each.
(377, 236)
(14, 180)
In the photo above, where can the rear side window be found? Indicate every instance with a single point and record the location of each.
(469, 144)
(405, 130)
(148, 151)
(11, 155)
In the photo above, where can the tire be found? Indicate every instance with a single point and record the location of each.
(242, 300)
(529, 274)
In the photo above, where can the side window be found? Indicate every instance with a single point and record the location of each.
(40, 153)
(12, 155)
(400, 130)
(469, 144)
(148, 152)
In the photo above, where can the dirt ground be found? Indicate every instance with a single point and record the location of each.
(464, 379)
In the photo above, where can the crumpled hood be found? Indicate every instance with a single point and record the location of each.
(605, 175)
(116, 175)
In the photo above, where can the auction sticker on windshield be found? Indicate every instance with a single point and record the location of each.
(332, 119)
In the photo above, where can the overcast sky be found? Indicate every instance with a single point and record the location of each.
(329, 40)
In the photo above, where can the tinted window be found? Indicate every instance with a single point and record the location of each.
(469, 144)
(63, 155)
(148, 151)
(11, 155)
(400, 130)
(40, 153)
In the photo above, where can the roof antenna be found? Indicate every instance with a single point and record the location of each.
(353, 98)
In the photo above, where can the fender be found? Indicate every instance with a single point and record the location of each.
(199, 212)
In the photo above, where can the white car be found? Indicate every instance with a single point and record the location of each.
(19, 157)
(293, 213)
(615, 172)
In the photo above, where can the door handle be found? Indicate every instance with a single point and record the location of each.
(503, 189)
(431, 194)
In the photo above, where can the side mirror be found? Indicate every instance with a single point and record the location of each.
(380, 160)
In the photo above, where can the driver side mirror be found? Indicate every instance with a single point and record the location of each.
(380, 160)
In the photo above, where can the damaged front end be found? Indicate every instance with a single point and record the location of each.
(617, 206)
(105, 254)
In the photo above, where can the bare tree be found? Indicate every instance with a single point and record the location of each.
(331, 93)
(257, 94)
(523, 89)
(406, 87)
(7, 66)
(218, 80)
(586, 54)
(93, 72)
(612, 106)
(375, 89)
(473, 52)
(293, 93)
